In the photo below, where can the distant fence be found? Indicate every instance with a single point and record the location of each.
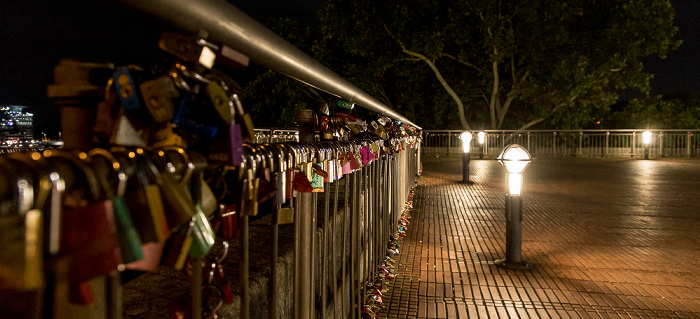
(588, 143)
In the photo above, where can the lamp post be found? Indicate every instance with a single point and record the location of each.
(466, 138)
(646, 138)
(514, 159)
(482, 137)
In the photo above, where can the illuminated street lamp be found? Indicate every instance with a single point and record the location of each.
(482, 137)
(646, 138)
(514, 159)
(466, 138)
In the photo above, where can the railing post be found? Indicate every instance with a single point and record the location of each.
(528, 140)
(634, 137)
(580, 143)
(661, 144)
(449, 142)
(554, 143)
(503, 139)
(687, 149)
(607, 142)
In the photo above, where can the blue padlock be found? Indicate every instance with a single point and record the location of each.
(127, 90)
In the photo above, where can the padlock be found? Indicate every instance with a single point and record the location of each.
(229, 223)
(126, 84)
(196, 115)
(126, 133)
(129, 242)
(245, 119)
(285, 215)
(317, 177)
(105, 118)
(220, 100)
(202, 235)
(302, 183)
(158, 95)
(188, 48)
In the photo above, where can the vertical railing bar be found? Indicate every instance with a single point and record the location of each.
(353, 244)
(304, 280)
(114, 295)
(197, 288)
(334, 268)
(357, 214)
(324, 246)
(272, 311)
(312, 258)
(366, 215)
(297, 258)
(245, 245)
(343, 268)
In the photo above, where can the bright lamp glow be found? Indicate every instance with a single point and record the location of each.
(515, 183)
(466, 138)
(482, 136)
(646, 137)
(514, 158)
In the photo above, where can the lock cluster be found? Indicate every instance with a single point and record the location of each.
(160, 165)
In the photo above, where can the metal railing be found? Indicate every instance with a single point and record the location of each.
(342, 225)
(584, 143)
(226, 24)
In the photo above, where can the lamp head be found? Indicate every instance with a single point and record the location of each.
(514, 158)
(466, 138)
(646, 137)
(482, 136)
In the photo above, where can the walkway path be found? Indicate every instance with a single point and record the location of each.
(610, 238)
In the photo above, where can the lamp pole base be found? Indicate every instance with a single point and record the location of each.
(466, 182)
(521, 265)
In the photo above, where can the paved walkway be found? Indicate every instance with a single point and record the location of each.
(610, 238)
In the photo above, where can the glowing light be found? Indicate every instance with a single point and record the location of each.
(466, 138)
(646, 137)
(482, 137)
(515, 184)
(514, 158)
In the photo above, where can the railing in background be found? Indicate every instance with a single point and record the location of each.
(588, 143)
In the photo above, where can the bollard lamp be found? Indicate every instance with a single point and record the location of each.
(482, 138)
(515, 159)
(646, 139)
(466, 138)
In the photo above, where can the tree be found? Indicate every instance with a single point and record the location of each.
(274, 98)
(659, 113)
(520, 63)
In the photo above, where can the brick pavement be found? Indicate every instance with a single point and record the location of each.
(613, 238)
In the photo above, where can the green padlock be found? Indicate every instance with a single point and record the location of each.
(202, 235)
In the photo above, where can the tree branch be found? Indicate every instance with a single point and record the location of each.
(443, 82)
(384, 97)
(311, 92)
(504, 110)
(554, 110)
(494, 94)
(462, 62)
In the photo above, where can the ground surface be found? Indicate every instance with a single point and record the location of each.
(610, 238)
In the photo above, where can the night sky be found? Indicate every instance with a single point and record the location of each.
(36, 34)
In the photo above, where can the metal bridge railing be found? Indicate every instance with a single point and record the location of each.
(584, 143)
(343, 222)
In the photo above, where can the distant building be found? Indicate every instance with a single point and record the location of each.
(16, 125)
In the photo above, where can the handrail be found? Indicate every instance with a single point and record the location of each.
(230, 26)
